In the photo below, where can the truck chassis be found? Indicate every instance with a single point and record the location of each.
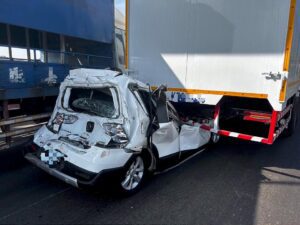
(278, 122)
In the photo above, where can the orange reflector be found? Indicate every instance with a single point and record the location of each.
(289, 37)
(283, 91)
(215, 92)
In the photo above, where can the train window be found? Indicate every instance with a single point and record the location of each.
(89, 47)
(3, 34)
(4, 53)
(53, 41)
(19, 53)
(18, 36)
(35, 39)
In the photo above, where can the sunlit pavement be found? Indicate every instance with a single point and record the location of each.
(231, 183)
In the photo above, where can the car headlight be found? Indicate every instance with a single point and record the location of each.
(118, 136)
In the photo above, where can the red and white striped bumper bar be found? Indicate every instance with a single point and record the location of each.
(273, 132)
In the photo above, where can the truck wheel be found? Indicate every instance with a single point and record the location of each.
(134, 175)
(215, 138)
(292, 124)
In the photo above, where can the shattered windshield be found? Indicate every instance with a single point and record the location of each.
(97, 101)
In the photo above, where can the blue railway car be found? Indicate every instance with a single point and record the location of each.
(40, 41)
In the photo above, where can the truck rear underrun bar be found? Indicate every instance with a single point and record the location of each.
(236, 135)
(274, 130)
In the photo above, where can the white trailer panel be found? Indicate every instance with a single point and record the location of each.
(294, 64)
(212, 48)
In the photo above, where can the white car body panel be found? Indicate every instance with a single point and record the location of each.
(94, 159)
(166, 139)
(193, 137)
(86, 149)
(91, 159)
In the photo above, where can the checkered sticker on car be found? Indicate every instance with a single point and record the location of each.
(51, 156)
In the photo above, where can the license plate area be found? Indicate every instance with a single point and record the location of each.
(52, 157)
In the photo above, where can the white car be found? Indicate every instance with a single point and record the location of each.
(106, 125)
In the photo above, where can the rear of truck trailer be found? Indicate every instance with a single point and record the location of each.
(237, 58)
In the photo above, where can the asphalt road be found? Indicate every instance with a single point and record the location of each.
(231, 183)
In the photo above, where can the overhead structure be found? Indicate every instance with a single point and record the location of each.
(88, 19)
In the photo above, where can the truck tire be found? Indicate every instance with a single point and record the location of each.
(293, 122)
(215, 138)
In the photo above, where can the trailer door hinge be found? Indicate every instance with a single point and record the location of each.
(272, 76)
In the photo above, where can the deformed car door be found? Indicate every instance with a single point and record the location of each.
(193, 137)
(166, 138)
(172, 136)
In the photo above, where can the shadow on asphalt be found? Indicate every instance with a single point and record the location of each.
(11, 159)
(220, 186)
(223, 185)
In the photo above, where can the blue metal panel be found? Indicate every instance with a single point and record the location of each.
(28, 93)
(88, 19)
(16, 75)
(44, 73)
(27, 80)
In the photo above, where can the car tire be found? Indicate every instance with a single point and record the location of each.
(134, 175)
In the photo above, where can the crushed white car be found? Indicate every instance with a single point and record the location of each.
(106, 125)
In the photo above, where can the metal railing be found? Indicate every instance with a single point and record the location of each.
(73, 59)
(14, 129)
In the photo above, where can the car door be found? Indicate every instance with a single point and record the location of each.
(166, 137)
(193, 137)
